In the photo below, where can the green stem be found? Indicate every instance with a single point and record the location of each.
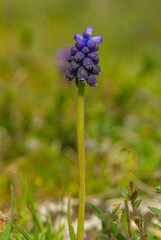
(81, 159)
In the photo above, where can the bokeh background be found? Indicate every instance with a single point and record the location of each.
(38, 107)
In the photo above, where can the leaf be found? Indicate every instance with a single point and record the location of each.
(27, 237)
(42, 237)
(155, 225)
(134, 237)
(125, 193)
(138, 202)
(33, 210)
(158, 189)
(99, 214)
(151, 236)
(156, 212)
(7, 231)
(102, 235)
(36, 229)
(12, 201)
(59, 233)
(116, 232)
(48, 233)
(70, 225)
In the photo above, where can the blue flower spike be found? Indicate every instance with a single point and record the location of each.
(84, 58)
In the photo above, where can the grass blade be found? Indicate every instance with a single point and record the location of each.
(99, 214)
(117, 233)
(71, 229)
(26, 236)
(48, 233)
(33, 210)
(7, 231)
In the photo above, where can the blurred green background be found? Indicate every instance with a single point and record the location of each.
(38, 107)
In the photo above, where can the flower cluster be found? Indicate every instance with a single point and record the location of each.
(84, 58)
(3, 221)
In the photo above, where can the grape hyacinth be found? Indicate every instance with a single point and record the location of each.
(84, 58)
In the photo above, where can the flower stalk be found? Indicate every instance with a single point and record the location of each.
(81, 159)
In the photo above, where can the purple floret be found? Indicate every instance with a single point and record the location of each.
(82, 74)
(74, 66)
(79, 57)
(96, 70)
(85, 49)
(97, 39)
(86, 35)
(84, 59)
(93, 56)
(80, 44)
(92, 45)
(92, 81)
(70, 58)
(78, 37)
(70, 75)
(89, 30)
(74, 50)
(88, 63)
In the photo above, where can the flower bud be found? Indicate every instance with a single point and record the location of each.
(78, 37)
(80, 44)
(89, 30)
(79, 57)
(85, 49)
(96, 61)
(70, 75)
(88, 63)
(70, 58)
(97, 39)
(74, 50)
(86, 35)
(92, 45)
(93, 56)
(96, 69)
(74, 66)
(82, 74)
(92, 81)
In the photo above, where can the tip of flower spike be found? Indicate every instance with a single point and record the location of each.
(89, 30)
